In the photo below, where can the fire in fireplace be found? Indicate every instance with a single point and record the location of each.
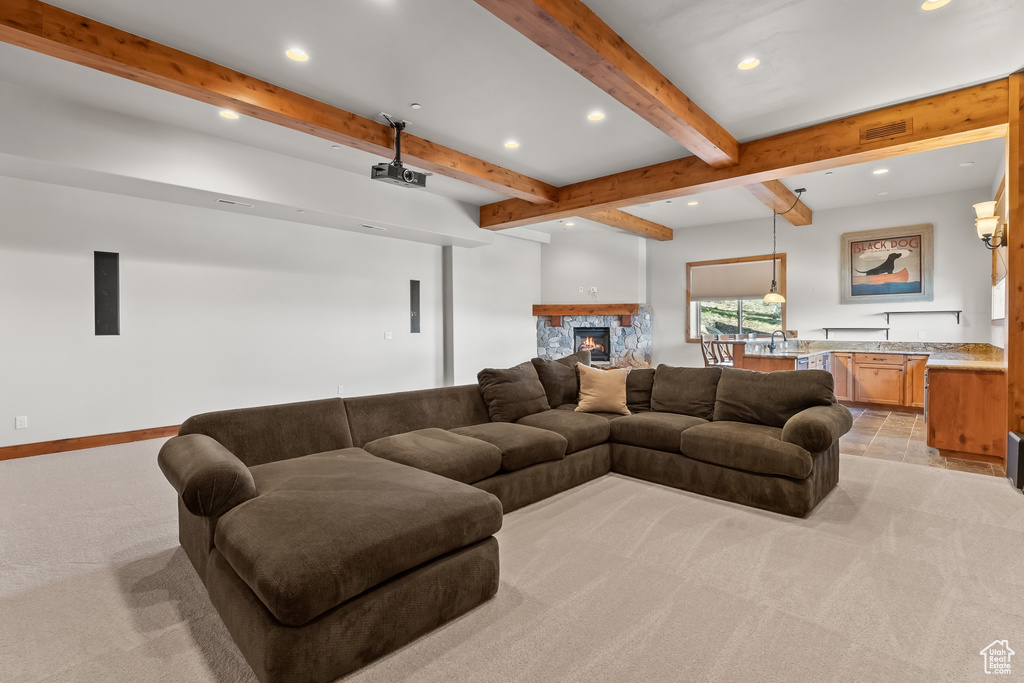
(597, 340)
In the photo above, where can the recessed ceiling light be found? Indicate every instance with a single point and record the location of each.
(595, 115)
(934, 4)
(828, 173)
(880, 171)
(296, 54)
(691, 203)
(374, 227)
(335, 146)
(748, 64)
(511, 144)
(228, 114)
(882, 194)
(967, 164)
(416, 105)
(570, 224)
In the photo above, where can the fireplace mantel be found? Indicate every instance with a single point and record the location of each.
(556, 311)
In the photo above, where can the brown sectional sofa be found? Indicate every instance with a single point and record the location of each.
(331, 532)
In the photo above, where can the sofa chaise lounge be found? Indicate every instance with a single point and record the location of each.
(331, 532)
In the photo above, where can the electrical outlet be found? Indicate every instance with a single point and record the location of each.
(21, 422)
(341, 390)
(920, 334)
(387, 335)
(593, 290)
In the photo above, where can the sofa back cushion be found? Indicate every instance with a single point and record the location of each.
(512, 393)
(374, 417)
(639, 384)
(278, 432)
(559, 377)
(771, 398)
(687, 391)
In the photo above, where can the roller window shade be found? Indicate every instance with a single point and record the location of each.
(746, 280)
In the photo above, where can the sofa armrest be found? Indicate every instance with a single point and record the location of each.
(816, 429)
(207, 476)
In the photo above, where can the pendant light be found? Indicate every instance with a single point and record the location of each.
(774, 296)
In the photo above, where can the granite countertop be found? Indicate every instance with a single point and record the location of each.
(944, 355)
(965, 365)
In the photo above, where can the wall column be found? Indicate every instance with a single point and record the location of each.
(448, 316)
(1015, 256)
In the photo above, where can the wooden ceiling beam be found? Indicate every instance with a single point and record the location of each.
(630, 223)
(59, 33)
(782, 201)
(954, 118)
(571, 32)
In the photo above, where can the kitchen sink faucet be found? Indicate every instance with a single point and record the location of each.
(771, 344)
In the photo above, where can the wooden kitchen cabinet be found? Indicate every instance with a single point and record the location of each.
(842, 371)
(878, 378)
(967, 412)
(880, 383)
(768, 364)
(913, 392)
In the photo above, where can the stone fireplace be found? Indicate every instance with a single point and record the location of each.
(628, 340)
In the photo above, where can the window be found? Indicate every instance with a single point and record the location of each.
(727, 296)
(737, 316)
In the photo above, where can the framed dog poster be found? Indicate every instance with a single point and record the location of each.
(888, 265)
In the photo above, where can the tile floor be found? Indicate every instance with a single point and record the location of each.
(901, 437)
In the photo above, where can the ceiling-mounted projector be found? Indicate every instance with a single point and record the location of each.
(394, 172)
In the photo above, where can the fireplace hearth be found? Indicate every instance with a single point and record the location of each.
(597, 340)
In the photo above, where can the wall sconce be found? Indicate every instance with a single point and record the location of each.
(987, 224)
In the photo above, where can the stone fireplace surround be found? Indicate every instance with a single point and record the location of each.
(630, 344)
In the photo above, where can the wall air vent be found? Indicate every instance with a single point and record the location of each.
(887, 131)
(232, 202)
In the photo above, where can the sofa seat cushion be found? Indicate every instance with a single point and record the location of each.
(573, 406)
(435, 450)
(581, 430)
(748, 447)
(520, 446)
(328, 527)
(659, 431)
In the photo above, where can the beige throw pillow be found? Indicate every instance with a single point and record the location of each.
(602, 391)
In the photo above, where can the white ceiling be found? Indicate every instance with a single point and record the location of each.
(481, 83)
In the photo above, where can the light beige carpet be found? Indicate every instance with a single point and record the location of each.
(904, 573)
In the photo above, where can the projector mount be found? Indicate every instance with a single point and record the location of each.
(395, 173)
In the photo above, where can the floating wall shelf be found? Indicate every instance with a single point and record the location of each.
(827, 329)
(888, 313)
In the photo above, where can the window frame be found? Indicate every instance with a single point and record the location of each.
(780, 279)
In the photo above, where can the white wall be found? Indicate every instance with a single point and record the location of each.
(962, 270)
(495, 288)
(613, 261)
(217, 311)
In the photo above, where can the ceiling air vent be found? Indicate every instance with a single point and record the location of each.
(232, 202)
(887, 131)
